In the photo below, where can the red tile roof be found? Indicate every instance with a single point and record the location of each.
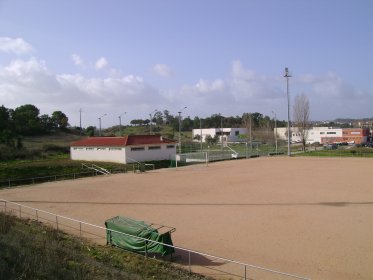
(128, 140)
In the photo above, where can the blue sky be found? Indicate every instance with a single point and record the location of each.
(223, 57)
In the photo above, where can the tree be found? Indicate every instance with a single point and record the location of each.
(26, 120)
(90, 131)
(46, 123)
(60, 120)
(7, 133)
(301, 111)
(158, 118)
(212, 140)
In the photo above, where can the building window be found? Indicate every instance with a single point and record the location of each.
(89, 149)
(170, 146)
(236, 133)
(331, 132)
(101, 149)
(78, 149)
(322, 132)
(115, 149)
(154, 147)
(138, 149)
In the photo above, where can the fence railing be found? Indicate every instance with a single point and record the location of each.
(192, 260)
(43, 179)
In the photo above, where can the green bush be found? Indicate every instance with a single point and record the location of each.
(30, 250)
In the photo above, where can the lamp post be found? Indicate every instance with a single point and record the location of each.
(100, 123)
(80, 120)
(120, 123)
(275, 130)
(200, 127)
(180, 128)
(151, 119)
(287, 76)
(221, 135)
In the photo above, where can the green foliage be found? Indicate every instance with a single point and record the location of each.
(353, 152)
(59, 119)
(90, 131)
(30, 250)
(25, 121)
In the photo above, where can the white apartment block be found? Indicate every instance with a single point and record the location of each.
(228, 134)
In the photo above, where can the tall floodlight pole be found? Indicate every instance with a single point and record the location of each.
(287, 76)
(221, 133)
(275, 131)
(120, 123)
(200, 127)
(80, 120)
(180, 128)
(100, 123)
(151, 119)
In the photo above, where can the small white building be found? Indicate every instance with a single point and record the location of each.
(228, 134)
(126, 149)
(315, 134)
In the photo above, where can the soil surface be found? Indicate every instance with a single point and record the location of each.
(310, 217)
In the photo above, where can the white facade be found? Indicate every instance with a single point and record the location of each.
(314, 134)
(229, 134)
(117, 154)
(152, 152)
(128, 149)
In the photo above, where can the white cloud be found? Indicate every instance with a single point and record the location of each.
(244, 90)
(214, 86)
(162, 70)
(30, 81)
(101, 63)
(78, 61)
(17, 45)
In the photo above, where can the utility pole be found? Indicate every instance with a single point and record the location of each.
(100, 123)
(151, 119)
(221, 133)
(251, 136)
(120, 123)
(287, 76)
(200, 127)
(180, 128)
(275, 131)
(80, 120)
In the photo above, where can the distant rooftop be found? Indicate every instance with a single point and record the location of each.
(127, 140)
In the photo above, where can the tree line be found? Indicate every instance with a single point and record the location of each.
(258, 121)
(26, 120)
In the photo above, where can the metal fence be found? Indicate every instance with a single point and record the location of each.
(36, 180)
(191, 260)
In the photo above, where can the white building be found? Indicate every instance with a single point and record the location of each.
(315, 134)
(228, 134)
(126, 149)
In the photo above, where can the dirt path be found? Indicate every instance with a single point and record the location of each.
(307, 216)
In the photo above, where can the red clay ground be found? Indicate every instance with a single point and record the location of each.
(307, 216)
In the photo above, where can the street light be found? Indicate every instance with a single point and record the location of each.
(180, 128)
(275, 130)
(100, 123)
(200, 127)
(287, 76)
(120, 123)
(221, 134)
(151, 118)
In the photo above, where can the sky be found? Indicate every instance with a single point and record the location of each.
(225, 57)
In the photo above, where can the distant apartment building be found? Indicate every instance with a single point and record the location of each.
(225, 134)
(325, 135)
(351, 135)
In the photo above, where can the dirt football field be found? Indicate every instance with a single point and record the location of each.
(311, 217)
